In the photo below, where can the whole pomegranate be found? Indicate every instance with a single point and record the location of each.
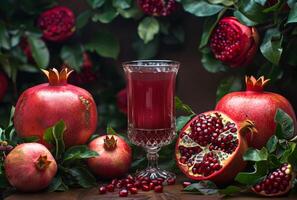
(158, 7)
(211, 146)
(234, 43)
(114, 158)
(122, 100)
(277, 183)
(30, 167)
(3, 85)
(41, 106)
(258, 106)
(57, 24)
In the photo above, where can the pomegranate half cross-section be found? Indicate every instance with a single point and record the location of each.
(211, 146)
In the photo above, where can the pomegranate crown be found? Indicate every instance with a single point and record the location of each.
(57, 78)
(256, 85)
(42, 162)
(110, 142)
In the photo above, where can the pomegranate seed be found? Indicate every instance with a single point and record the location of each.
(186, 184)
(123, 193)
(102, 190)
(155, 182)
(152, 186)
(144, 182)
(171, 181)
(110, 188)
(114, 181)
(159, 188)
(130, 185)
(133, 190)
(137, 184)
(145, 188)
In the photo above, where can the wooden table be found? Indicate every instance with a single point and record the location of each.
(170, 193)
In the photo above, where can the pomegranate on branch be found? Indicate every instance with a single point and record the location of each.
(257, 105)
(211, 146)
(234, 43)
(158, 7)
(30, 167)
(41, 106)
(57, 24)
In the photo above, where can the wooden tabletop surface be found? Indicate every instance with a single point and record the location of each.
(170, 193)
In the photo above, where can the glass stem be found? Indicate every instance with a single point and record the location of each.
(152, 157)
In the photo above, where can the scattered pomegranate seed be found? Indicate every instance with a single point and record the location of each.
(133, 190)
(110, 188)
(145, 188)
(137, 184)
(155, 182)
(171, 181)
(186, 184)
(152, 186)
(102, 190)
(159, 188)
(123, 193)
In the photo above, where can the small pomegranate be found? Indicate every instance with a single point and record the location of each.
(211, 146)
(57, 24)
(44, 105)
(30, 167)
(3, 85)
(234, 43)
(258, 106)
(114, 158)
(158, 7)
(122, 100)
(277, 183)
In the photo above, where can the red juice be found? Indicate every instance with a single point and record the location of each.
(151, 108)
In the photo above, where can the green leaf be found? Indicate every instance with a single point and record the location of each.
(146, 51)
(57, 184)
(244, 19)
(30, 139)
(253, 11)
(210, 63)
(110, 130)
(122, 4)
(132, 12)
(286, 123)
(230, 190)
(82, 176)
(78, 152)
(224, 2)
(181, 121)
(72, 55)
(288, 152)
(179, 105)
(54, 136)
(293, 14)
(104, 44)
(203, 187)
(292, 159)
(261, 2)
(148, 28)
(96, 3)
(256, 155)
(251, 178)
(208, 26)
(39, 50)
(4, 37)
(228, 85)
(201, 8)
(271, 46)
(106, 16)
(272, 144)
(82, 19)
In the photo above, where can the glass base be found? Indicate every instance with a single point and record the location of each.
(154, 173)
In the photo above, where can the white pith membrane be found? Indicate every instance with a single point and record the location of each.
(222, 132)
(277, 182)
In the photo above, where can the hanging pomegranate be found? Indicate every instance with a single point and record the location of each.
(57, 24)
(234, 43)
(158, 7)
(3, 85)
(277, 183)
(211, 146)
(41, 106)
(30, 167)
(258, 106)
(114, 159)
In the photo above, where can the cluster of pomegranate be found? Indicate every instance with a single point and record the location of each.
(132, 184)
(158, 7)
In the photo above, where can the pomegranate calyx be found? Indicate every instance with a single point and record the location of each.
(248, 126)
(256, 85)
(42, 162)
(110, 143)
(57, 78)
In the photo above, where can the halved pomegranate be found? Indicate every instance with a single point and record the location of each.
(277, 183)
(211, 146)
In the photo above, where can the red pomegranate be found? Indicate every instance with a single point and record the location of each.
(41, 106)
(258, 106)
(234, 43)
(158, 7)
(30, 167)
(277, 183)
(114, 158)
(57, 24)
(3, 85)
(122, 100)
(211, 146)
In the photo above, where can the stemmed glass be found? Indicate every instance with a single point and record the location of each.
(151, 109)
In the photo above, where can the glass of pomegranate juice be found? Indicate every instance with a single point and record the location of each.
(151, 109)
